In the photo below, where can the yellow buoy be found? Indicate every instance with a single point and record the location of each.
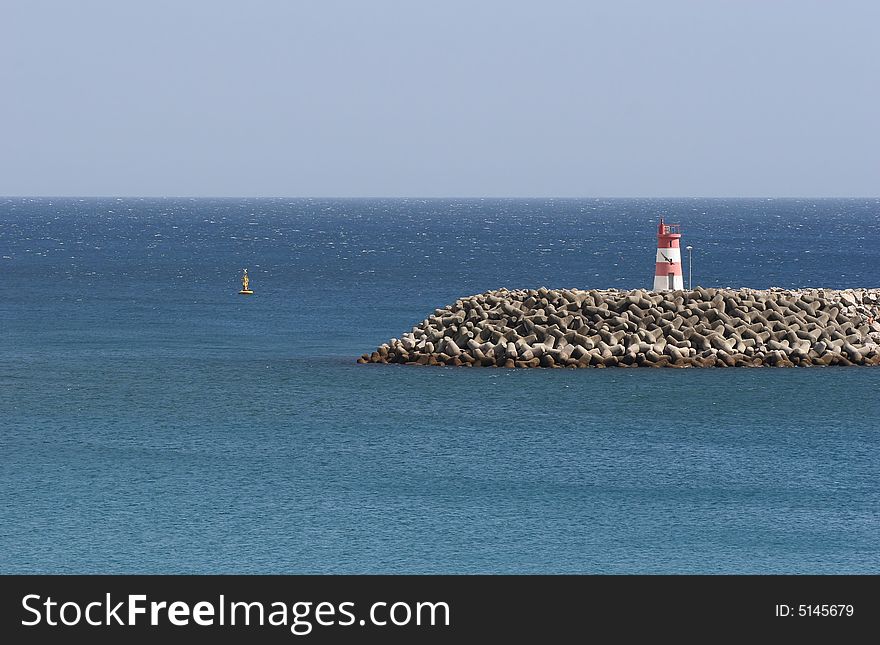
(245, 282)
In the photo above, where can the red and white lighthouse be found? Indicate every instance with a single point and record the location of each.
(667, 274)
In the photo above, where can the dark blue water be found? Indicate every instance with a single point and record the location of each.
(152, 420)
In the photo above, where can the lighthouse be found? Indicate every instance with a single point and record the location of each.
(667, 274)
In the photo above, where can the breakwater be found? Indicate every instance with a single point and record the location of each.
(611, 328)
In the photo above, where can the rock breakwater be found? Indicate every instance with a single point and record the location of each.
(611, 328)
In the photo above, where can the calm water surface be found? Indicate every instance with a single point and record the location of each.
(152, 420)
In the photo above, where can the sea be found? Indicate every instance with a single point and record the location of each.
(153, 420)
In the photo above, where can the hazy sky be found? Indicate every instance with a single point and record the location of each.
(448, 98)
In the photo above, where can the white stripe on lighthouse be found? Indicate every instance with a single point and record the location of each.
(661, 283)
(665, 255)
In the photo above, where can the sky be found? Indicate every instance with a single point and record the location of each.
(473, 98)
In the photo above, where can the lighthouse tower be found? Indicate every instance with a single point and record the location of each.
(667, 275)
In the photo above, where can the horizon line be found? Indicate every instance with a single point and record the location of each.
(435, 197)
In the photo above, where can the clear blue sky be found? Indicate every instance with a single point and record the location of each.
(451, 98)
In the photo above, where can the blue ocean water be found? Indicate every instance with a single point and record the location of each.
(154, 421)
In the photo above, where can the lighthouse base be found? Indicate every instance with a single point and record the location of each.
(670, 282)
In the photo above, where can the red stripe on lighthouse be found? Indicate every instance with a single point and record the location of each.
(663, 268)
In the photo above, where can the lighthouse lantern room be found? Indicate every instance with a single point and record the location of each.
(667, 274)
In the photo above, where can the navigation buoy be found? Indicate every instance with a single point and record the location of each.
(245, 283)
(667, 274)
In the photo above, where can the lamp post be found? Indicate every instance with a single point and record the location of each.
(690, 268)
